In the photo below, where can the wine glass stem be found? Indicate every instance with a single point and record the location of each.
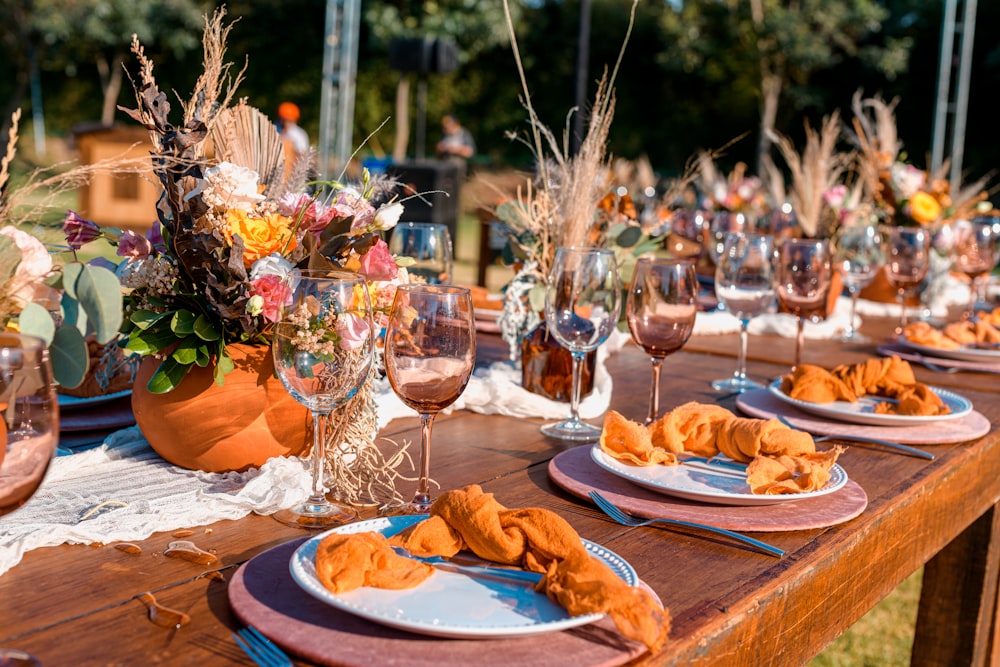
(574, 405)
(799, 341)
(654, 392)
(318, 455)
(853, 291)
(902, 311)
(422, 497)
(741, 359)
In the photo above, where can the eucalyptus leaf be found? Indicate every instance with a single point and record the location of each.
(34, 320)
(536, 297)
(69, 355)
(70, 273)
(629, 236)
(72, 313)
(100, 294)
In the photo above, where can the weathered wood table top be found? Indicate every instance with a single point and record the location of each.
(79, 605)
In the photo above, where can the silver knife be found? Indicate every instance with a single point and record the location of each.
(499, 573)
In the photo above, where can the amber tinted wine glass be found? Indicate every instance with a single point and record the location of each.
(907, 256)
(975, 257)
(803, 283)
(661, 308)
(430, 351)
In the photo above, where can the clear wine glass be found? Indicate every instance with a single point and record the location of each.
(582, 305)
(661, 308)
(907, 251)
(429, 246)
(430, 350)
(30, 423)
(744, 282)
(857, 256)
(323, 348)
(975, 257)
(722, 224)
(802, 277)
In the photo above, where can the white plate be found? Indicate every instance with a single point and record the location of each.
(863, 410)
(703, 484)
(963, 353)
(67, 402)
(448, 604)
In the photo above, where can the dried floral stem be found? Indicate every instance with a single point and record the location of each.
(10, 152)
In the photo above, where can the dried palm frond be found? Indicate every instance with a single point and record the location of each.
(876, 140)
(8, 156)
(215, 79)
(813, 172)
(246, 137)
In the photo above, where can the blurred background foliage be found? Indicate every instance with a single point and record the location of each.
(695, 75)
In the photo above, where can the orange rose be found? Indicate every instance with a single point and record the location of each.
(924, 208)
(261, 235)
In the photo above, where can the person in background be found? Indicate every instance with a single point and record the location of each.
(456, 142)
(294, 137)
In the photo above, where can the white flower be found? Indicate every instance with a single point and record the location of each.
(907, 179)
(275, 265)
(255, 305)
(228, 185)
(27, 284)
(387, 216)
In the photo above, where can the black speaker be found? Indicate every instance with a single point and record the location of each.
(425, 55)
(438, 184)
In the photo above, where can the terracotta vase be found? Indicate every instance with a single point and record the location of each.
(241, 424)
(547, 367)
(881, 290)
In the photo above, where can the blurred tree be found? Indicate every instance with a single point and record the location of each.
(779, 45)
(72, 31)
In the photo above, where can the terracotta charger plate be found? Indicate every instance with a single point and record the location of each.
(575, 471)
(262, 593)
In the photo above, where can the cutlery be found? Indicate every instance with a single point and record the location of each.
(497, 573)
(934, 367)
(261, 649)
(911, 451)
(621, 517)
(718, 466)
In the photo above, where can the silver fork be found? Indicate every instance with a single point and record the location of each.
(261, 649)
(621, 517)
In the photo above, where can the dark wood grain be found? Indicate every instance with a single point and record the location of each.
(730, 606)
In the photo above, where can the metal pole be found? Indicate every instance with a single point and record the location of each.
(329, 97)
(582, 61)
(940, 128)
(962, 98)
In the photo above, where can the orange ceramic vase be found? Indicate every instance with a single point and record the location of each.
(241, 424)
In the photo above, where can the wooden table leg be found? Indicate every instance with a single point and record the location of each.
(957, 616)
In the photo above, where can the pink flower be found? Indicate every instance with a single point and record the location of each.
(276, 295)
(79, 231)
(313, 216)
(134, 246)
(378, 263)
(155, 237)
(353, 331)
(349, 204)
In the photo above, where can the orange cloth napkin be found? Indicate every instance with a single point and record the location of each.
(986, 329)
(890, 377)
(782, 459)
(534, 539)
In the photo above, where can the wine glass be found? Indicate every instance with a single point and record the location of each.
(430, 350)
(582, 305)
(661, 307)
(744, 282)
(429, 246)
(857, 256)
(323, 348)
(975, 257)
(803, 283)
(723, 223)
(908, 259)
(30, 423)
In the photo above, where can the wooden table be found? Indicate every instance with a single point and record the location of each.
(77, 605)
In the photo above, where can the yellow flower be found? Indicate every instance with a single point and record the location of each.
(924, 208)
(261, 235)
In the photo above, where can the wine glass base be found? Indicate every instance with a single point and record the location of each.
(735, 385)
(316, 515)
(574, 431)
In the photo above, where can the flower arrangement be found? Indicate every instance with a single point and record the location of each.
(735, 192)
(62, 303)
(232, 225)
(904, 194)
